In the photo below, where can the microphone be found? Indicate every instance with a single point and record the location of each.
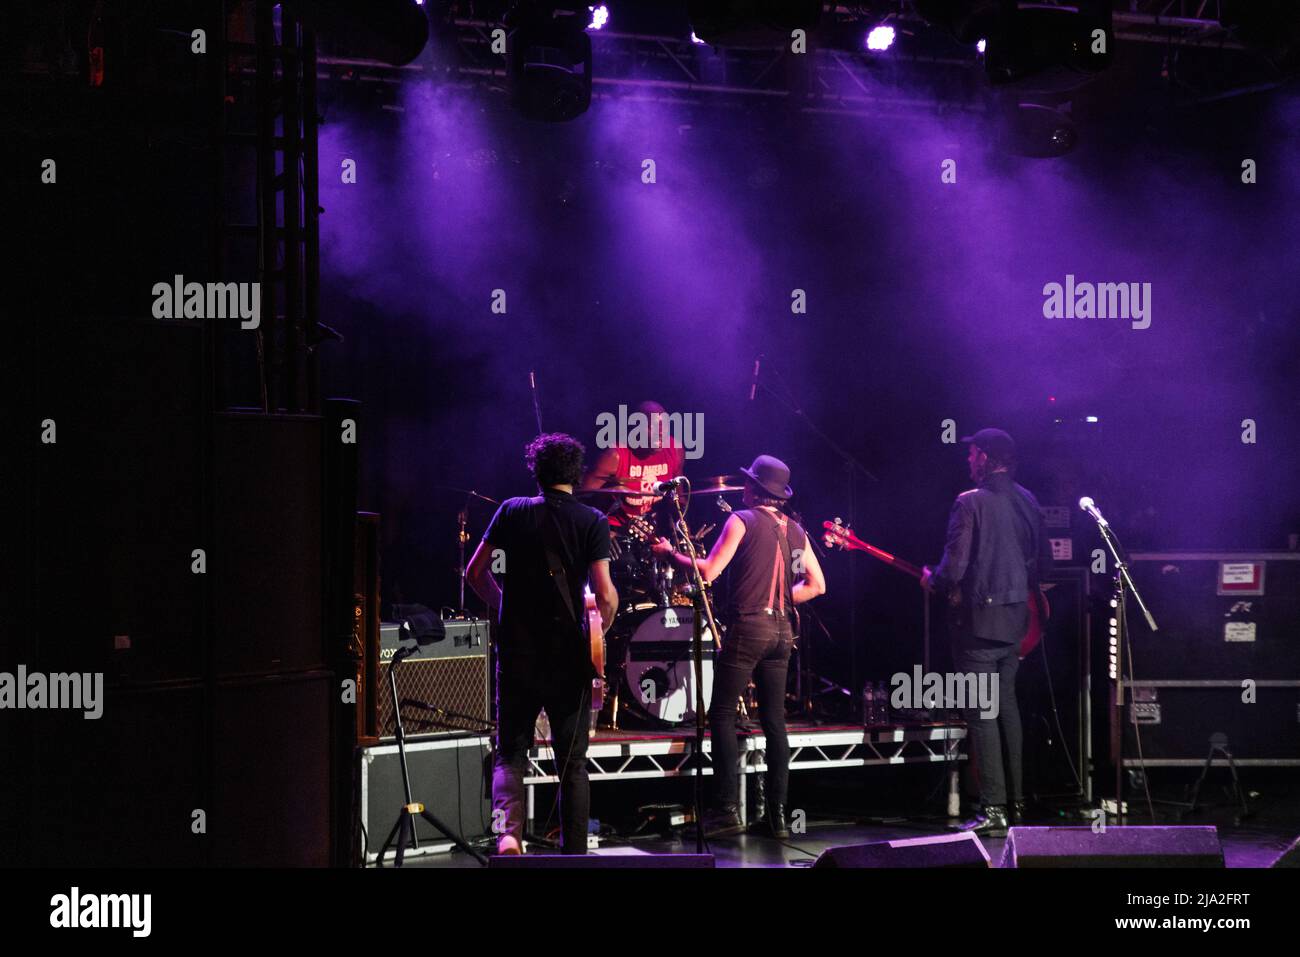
(663, 487)
(753, 385)
(724, 505)
(1089, 506)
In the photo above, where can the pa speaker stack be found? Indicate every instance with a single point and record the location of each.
(1113, 847)
(945, 850)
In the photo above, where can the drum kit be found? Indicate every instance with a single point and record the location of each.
(650, 671)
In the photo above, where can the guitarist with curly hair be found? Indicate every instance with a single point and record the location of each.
(545, 548)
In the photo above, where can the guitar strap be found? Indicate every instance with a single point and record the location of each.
(550, 543)
(778, 574)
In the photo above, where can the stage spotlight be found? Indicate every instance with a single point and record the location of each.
(550, 60)
(394, 31)
(966, 20)
(759, 24)
(1033, 47)
(880, 38)
(599, 17)
(1044, 49)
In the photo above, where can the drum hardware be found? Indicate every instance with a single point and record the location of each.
(462, 535)
(703, 609)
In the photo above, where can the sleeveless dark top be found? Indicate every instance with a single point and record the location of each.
(759, 576)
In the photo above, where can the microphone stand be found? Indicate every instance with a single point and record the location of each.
(462, 535)
(852, 468)
(701, 603)
(1123, 588)
(404, 828)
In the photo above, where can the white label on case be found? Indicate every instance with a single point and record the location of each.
(1239, 631)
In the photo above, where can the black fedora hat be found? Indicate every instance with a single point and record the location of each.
(771, 475)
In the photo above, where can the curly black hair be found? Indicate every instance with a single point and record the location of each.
(555, 459)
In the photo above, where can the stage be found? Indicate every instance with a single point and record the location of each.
(1253, 846)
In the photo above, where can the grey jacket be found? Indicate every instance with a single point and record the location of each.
(997, 552)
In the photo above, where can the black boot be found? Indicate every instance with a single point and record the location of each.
(1018, 812)
(776, 821)
(990, 822)
(723, 821)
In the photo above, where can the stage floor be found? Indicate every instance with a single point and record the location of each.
(1253, 844)
(623, 756)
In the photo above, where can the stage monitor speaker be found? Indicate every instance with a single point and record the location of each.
(449, 676)
(1113, 847)
(1290, 857)
(943, 850)
(635, 861)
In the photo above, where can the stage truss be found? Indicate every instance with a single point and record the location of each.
(669, 756)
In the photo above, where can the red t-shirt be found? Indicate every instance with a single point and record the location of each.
(658, 465)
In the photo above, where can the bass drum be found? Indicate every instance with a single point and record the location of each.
(658, 667)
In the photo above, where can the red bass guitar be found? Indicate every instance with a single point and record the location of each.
(837, 535)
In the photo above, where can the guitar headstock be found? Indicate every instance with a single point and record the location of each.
(837, 534)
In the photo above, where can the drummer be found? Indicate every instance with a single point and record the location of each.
(635, 466)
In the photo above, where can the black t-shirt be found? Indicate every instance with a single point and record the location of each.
(536, 627)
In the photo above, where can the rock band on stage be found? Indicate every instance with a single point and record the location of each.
(544, 558)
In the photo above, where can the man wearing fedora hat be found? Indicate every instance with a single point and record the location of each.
(996, 552)
(771, 570)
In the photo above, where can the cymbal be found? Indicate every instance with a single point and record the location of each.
(469, 492)
(717, 489)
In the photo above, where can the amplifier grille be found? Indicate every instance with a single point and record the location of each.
(457, 687)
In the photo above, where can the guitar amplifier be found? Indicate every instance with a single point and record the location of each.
(443, 687)
(1224, 665)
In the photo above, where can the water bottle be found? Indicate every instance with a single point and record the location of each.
(869, 705)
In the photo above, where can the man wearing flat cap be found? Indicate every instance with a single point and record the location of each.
(996, 553)
(771, 569)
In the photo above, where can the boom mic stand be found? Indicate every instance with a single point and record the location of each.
(852, 469)
(1123, 588)
(462, 535)
(701, 603)
(404, 828)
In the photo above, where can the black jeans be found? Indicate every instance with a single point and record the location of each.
(990, 736)
(521, 694)
(756, 646)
